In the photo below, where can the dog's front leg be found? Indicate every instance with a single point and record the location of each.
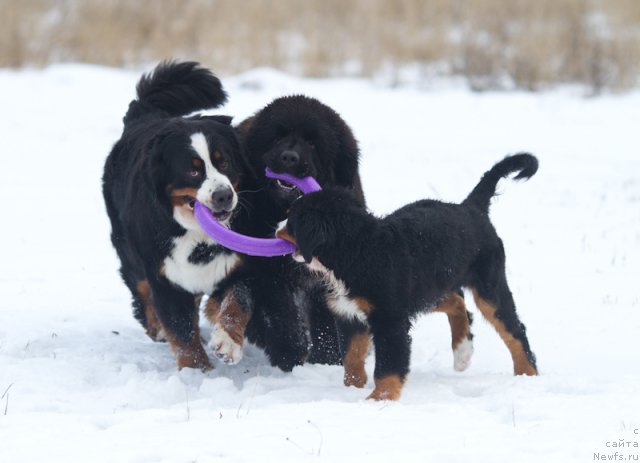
(393, 351)
(229, 315)
(460, 323)
(357, 342)
(177, 312)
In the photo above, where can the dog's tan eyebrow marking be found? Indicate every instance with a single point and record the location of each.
(196, 162)
(214, 178)
(217, 155)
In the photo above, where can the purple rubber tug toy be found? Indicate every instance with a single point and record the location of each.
(263, 247)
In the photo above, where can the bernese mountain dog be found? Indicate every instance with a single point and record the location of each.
(387, 270)
(162, 163)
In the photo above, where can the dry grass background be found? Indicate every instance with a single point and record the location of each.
(529, 44)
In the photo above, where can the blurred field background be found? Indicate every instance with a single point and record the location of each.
(491, 44)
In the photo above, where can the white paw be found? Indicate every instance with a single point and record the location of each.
(161, 336)
(224, 347)
(462, 355)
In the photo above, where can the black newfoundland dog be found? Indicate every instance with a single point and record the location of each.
(301, 136)
(284, 308)
(162, 163)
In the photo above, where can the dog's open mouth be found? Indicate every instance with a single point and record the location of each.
(222, 215)
(287, 187)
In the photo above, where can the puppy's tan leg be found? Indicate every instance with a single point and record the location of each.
(354, 373)
(230, 321)
(461, 337)
(513, 336)
(392, 344)
(387, 388)
(359, 345)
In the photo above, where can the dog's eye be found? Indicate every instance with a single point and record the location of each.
(224, 165)
(194, 173)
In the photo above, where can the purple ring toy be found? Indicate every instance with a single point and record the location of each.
(306, 184)
(263, 247)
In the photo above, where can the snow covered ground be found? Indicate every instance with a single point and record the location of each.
(81, 382)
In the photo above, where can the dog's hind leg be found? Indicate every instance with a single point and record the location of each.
(142, 302)
(460, 322)
(144, 311)
(497, 306)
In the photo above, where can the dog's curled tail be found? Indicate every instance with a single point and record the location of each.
(175, 89)
(524, 163)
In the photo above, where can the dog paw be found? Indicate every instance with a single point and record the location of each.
(384, 394)
(225, 348)
(462, 355)
(200, 361)
(387, 388)
(157, 335)
(356, 379)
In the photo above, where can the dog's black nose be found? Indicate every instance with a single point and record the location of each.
(289, 158)
(222, 199)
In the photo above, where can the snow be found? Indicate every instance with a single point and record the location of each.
(80, 381)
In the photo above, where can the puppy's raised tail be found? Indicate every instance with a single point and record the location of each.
(525, 164)
(175, 89)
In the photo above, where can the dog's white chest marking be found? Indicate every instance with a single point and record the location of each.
(196, 277)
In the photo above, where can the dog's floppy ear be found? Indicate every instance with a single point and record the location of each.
(152, 164)
(346, 164)
(311, 234)
(248, 172)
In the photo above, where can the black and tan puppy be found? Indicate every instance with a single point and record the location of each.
(162, 163)
(388, 270)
